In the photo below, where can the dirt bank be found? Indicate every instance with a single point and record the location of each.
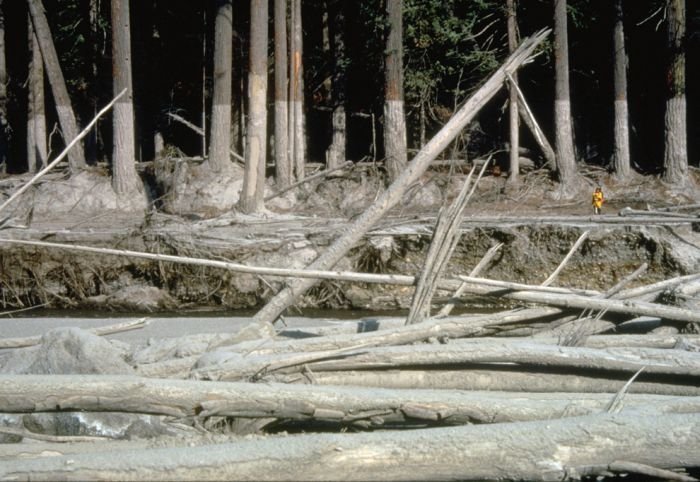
(536, 230)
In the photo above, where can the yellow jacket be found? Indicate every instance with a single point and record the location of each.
(598, 199)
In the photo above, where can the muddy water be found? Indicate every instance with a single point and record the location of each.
(169, 324)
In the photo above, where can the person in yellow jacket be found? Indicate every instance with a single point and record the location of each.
(597, 200)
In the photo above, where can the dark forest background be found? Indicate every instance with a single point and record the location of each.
(450, 46)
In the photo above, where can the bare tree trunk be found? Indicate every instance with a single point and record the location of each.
(66, 116)
(621, 158)
(256, 150)
(220, 142)
(395, 148)
(4, 125)
(514, 170)
(37, 85)
(31, 135)
(336, 151)
(296, 93)
(283, 167)
(676, 145)
(564, 142)
(125, 180)
(393, 193)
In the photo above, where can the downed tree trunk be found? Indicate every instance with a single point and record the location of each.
(188, 398)
(505, 379)
(524, 354)
(393, 194)
(551, 450)
(626, 306)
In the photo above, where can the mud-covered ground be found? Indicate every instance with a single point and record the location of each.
(536, 224)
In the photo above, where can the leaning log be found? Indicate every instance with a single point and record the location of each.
(393, 194)
(538, 451)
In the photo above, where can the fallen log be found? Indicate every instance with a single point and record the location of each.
(566, 259)
(625, 306)
(343, 405)
(200, 131)
(393, 194)
(506, 379)
(536, 451)
(427, 356)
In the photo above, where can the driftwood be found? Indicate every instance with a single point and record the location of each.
(341, 405)
(507, 379)
(526, 451)
(523, 354)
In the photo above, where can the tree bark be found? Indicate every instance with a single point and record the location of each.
(256, 151)
(36, 84)
(220, 138)
(676, 140)
(621, 157)
(283, 166)
(4, 123)
(31, 79)
(395, 147)
(125, 180)
(564, 142)
(337, 149)
(514, 153)
(526, 451)
(394, 193)
(66, 116)
(296, 93)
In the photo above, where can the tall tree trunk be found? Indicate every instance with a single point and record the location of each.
(125, 180)
(283, 168)
(296, 92)
(4, 125)
(621, 157)
(36, 117)
(66, 116)
(676, 145)
(220, 142)
(564, 142)
(336, 151)
(394, 119)
(513, 96)
(256, 140)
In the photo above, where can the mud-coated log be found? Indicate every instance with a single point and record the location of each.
(538, 451)
(627, 306)
(189, 398)
(507, 379)
(522, 353)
